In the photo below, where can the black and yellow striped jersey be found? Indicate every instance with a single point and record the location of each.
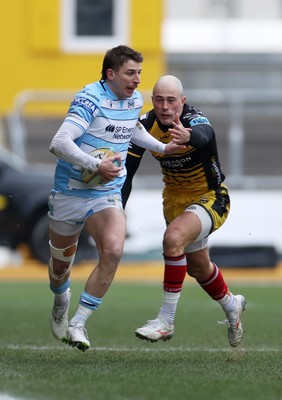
(193, 170)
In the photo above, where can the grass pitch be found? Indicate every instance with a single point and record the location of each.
(197, 363)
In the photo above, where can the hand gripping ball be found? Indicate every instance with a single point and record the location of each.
(92, 177)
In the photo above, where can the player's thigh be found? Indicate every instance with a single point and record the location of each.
(107, 227)
(183, 229)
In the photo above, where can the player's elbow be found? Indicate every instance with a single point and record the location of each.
(53, 148)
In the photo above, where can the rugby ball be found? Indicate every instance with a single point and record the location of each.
(92, 177)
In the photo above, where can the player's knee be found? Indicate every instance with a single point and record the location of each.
(112, 253)
(63, 260)
(169, 239)
(172, 243)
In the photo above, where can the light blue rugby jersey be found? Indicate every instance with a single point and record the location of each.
(109, 122)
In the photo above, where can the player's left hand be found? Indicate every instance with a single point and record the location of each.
(179, 133)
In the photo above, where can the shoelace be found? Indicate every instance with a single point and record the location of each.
(152, 322)
(156, 322)
(225, 321)
(232, 324)
(82, 330)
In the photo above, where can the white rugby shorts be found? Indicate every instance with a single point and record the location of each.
(67, 214)
(202, 240)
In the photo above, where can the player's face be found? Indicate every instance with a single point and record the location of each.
(167, 103)
(124, 81)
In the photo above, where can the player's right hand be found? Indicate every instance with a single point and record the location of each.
(110, 167)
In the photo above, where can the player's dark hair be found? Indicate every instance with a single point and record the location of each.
(117, 56)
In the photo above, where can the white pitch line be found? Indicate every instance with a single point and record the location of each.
(4, 396)
(143, 350)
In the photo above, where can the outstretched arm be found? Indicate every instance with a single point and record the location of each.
(142, 138)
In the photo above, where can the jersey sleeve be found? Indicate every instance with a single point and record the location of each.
(142, 138)
(202, 131)
(83, 106)
(63, 145)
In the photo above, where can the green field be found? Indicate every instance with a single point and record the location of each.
(196, 364)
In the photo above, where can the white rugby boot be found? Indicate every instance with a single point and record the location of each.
(233, 320)
(156, 329)
(76, 336)
(59, 318)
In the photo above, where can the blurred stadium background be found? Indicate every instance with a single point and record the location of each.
(228, 54)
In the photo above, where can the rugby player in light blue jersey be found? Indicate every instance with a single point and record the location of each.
(91, 146)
